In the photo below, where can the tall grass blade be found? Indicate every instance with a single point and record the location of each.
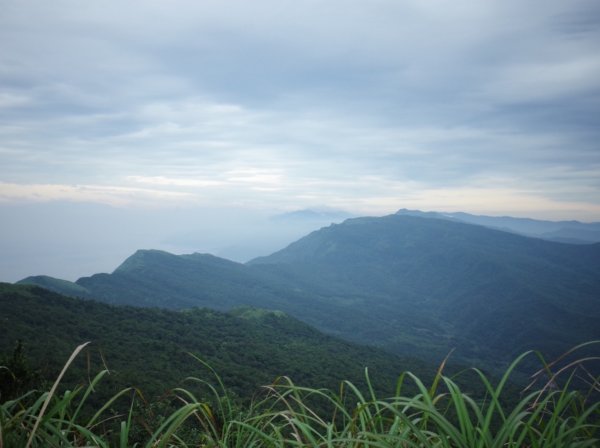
(52, 391)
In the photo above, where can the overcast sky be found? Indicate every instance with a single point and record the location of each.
(270, 105)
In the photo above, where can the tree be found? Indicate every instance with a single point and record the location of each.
(16, 375)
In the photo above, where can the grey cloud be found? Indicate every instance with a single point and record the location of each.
(407, 91)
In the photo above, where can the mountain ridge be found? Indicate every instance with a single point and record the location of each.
(405, 283)
(569, 231)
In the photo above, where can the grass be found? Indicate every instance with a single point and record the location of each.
(560, 408)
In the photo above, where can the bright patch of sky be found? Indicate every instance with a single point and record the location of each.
(270, 105)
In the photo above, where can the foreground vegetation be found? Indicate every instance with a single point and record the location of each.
(553, 411)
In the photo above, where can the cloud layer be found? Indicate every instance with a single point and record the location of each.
(371, 106)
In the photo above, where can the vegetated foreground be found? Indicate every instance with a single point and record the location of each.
(288, 415)
(394, 409)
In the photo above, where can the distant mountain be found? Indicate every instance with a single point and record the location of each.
(573, 232)
(409, 284)
(149, 348)
(157, 278)
(153, 278)
(57, 285)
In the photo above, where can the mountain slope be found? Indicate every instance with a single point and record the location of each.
(417, 285)
(156, 278)
(489, 292)
(148, 347)
(153, 278)
(57, 285)
(574, 232)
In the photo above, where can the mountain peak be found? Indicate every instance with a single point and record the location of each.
(141, 258)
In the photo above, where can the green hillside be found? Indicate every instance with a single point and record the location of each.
(412, 285)
(57, 285)
(156, 278)
(153, 278)
(149, 348)
(491, 293)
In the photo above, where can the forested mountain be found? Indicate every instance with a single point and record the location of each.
(158, 278)
(574, 232)
(149, 348)
(442, 283)
(409, 284)
(154, 278)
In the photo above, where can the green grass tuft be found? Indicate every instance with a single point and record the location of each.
(555, 410)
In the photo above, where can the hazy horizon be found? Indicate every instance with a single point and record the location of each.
(88, 239)
(186, 126)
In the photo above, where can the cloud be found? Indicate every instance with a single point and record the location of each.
(265, 103)
(166, 181)
(111, 195)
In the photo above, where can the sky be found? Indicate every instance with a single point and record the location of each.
(185, 125)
